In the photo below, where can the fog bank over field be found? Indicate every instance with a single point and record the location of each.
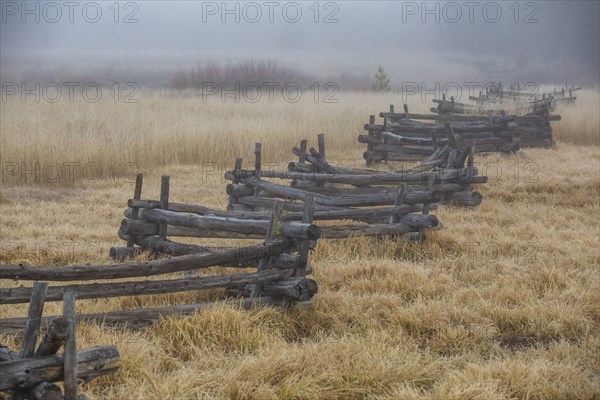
(150, 42)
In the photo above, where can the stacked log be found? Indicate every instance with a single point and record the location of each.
(32, 373)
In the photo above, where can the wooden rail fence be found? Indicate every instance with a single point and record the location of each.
(31, 373)
(445, 107)
(379, 203)
(415, 137)
(286, 211)
(280, 261)
(516, 95)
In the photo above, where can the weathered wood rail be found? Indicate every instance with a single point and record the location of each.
(445, 169)
(415, 137)
(379, 203)
(32, 373)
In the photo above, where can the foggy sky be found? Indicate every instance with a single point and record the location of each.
(565, 40)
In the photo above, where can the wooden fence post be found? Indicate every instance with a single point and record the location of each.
(238, 170)
(434, 140)
(257, 160)
(264, 262)
(237, 177)
(36, 307)
(32, 326)
(164, 204)
(398, 202)
(302, 155)
(70, 357)
(470, 167)
(55, 337)
(386, 128)
(370, 134)
(304, 247)
(321, 143)
(257, 165)
(137, 194)
(430, 183)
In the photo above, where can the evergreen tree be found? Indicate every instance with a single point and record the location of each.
(382, 82)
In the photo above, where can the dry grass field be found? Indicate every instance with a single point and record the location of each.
(502, 303)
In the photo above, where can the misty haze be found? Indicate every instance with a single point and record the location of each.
(300, 200)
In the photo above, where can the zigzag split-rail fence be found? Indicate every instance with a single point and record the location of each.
(535, 107)
(278, 276)
(526, 95)
(415, 137)
(280, 259)
(378, 203)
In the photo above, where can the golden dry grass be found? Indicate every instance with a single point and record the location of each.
(503, 303)
(166, 129)
(580, 122)
(72, 141)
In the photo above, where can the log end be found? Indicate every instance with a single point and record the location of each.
(466, 199)
(123, 253)
(434, 221)
(313, 232)
(415, 236)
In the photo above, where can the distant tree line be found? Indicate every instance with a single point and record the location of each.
(262, 71)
